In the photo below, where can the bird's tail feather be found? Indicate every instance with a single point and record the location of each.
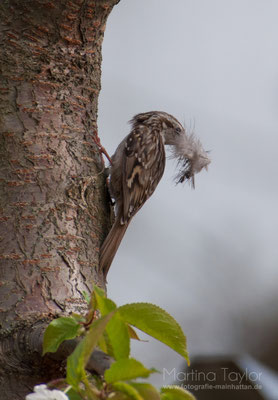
(110, 245)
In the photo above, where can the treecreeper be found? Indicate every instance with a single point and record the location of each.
(138, 165)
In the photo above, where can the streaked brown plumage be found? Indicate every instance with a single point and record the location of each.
(138, 165)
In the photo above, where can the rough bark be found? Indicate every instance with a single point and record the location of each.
(53, 208)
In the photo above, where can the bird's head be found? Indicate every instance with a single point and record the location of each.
(168, 125)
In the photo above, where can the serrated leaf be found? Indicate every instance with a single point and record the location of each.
(175, 393)
(119, 340)
(58, 331)
(157, 323)
(146, 390)
(77, 361)
(128, 390)
(126, 369)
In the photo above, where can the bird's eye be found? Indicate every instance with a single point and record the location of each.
(178, 130)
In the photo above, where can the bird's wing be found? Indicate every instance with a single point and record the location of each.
(143, 167)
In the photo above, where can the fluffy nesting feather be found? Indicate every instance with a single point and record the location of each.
(191, 157)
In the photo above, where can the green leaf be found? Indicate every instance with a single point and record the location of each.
(77, 361)
(72, 395)
(104, 346)
(78, 317)
(93, 335)
(99, 291)
(128, 390)
(117, 332)
(75, 365)
(58, 330)
(146, 390)
(120, 396)
(157, 323)
(175, 393)
(86, 296)
(126, 369)
(104, 305)
(118, 336)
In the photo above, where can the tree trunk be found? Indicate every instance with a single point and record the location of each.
(53, 206)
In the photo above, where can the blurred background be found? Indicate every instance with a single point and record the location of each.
(208, 256)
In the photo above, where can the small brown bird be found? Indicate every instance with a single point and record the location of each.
(138, 165)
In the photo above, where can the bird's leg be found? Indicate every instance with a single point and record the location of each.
(96, 139)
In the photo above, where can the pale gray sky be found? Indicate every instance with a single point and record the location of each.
(209, 256)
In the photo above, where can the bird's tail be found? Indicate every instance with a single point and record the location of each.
(111, 245)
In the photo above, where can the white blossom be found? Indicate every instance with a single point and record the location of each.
(41, 392)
